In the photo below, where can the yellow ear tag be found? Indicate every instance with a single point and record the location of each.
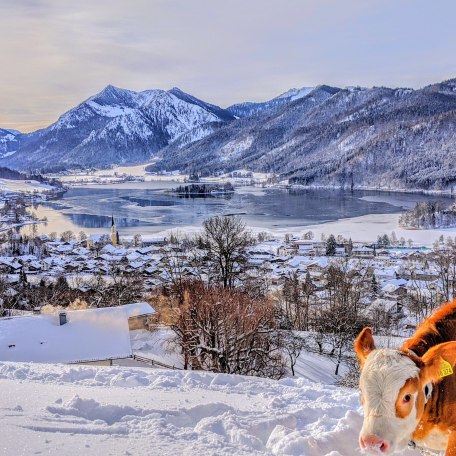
(445, 369)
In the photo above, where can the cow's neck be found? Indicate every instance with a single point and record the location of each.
(440, 327)
(434, 428)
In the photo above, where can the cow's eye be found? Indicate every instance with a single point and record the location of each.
(407, 398)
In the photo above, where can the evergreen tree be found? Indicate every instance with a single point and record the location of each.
(331, 245)
(22, 277)
(374, 285)
(386, 240)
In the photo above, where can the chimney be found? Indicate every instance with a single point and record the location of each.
(62, 318)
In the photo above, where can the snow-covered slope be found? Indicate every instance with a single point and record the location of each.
(250, 108)
(114, 126)
(158, 345)
(75, 410)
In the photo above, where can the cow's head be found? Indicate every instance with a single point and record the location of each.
(393, 390)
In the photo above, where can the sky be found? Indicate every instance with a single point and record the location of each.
(56, 53)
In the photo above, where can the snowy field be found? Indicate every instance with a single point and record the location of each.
(17, 186)
(82, 410)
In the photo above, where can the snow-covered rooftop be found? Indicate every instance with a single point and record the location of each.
(88, 335)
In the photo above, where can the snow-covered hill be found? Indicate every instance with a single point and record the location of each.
(75, 410)
(113, 127)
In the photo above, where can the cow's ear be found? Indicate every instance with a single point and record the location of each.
(364, 344)
(439, 362)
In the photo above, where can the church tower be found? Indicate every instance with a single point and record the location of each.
(114, 233)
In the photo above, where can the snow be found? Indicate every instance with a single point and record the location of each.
(157, 345)
(71, 409)
(232, 148)
(109, 111)
(317, 368)
(12, 185)
(8, 154)
(296, 94)
(364, 228)
(88, 335)
(55, 410)
(136, 309)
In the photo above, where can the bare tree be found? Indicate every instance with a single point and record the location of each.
(293, 345)
(67, 236)
(225, 239)
(223, 330)
(445, 262)
(296, 299)
(181, 254)
(339, 318)
(115, 289)
(308, 235)
(339, 326)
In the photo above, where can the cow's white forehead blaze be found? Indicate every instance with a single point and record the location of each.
(383, 375)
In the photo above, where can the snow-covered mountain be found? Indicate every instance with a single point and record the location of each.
(251, 108)
(114, 126)
(8, 142)
(378, 137)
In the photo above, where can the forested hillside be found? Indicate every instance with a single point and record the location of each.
(392, 138)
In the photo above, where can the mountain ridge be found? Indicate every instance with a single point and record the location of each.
(250, 108)
(111, 127)
(353, 136)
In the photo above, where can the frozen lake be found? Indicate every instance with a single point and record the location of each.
(146, 208)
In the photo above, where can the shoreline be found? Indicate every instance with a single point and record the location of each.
(138, 171)
(415, 191)
(364, 228)
(179, 179)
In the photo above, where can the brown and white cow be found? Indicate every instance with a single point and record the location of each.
(409, 395)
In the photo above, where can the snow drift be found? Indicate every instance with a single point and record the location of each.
(76, 410)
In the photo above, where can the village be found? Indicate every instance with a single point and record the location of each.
(322, 290)
(395, 275)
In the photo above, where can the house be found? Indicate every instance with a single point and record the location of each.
(154, 241)
(340, 251)
(394, 292)
(80, 336)
(363, 252)
(33, 267)
(92, 240)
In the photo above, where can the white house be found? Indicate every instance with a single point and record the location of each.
(79, 336)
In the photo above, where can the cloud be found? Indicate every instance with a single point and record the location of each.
(54, 54)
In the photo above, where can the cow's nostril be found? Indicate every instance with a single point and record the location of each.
(373, 443)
